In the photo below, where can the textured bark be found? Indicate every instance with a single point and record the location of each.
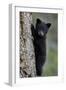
(27, 56)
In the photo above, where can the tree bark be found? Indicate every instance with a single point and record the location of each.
(27, 55)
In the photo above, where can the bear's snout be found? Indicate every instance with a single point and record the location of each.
(41, 33)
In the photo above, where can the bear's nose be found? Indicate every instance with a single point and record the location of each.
(41, 33)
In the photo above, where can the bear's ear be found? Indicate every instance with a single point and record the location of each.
(48, 25)
(38, 21)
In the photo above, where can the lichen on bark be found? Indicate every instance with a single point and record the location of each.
(27, 55)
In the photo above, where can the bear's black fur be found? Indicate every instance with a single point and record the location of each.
(39, 35)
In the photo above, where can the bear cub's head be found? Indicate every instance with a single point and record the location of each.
(42, 28)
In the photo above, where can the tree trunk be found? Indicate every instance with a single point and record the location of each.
(27, 55)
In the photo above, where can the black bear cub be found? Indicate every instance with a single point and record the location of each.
(39, 34)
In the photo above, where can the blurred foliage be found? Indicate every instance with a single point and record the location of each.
(51, 68)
